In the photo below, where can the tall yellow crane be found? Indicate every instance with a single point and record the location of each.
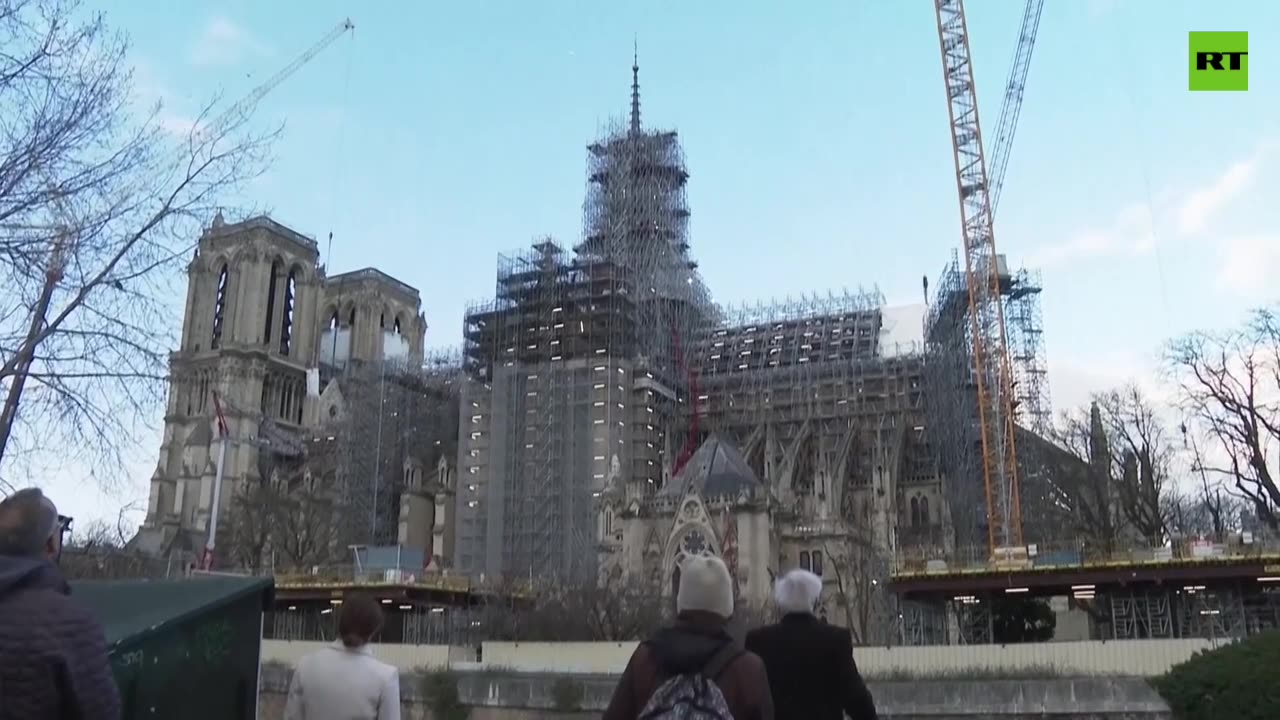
(977, 194)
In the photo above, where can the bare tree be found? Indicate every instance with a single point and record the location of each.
(1209, 508)
(1141, 456)
(861, 573)
(1081, 484)
(618, 608)
(304, 531)
(1230, 385)
(97, 210)
(99, 551)
(245, 540)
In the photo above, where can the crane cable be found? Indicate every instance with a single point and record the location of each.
(336, 190)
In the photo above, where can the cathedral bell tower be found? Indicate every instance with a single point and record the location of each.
(249, 334)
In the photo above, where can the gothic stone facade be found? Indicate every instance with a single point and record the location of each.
(260, 317)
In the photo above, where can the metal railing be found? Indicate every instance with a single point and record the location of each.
(1087, 554)
(350, 574)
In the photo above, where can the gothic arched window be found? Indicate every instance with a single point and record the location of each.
(286, 320)
(915, 512)
(277, 269)
(219, 308)
(804, 560)
(924, 511)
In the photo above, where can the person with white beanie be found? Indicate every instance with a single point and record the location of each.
(694, 662)
(812, 675)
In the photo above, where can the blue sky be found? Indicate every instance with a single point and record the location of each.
(441, 134)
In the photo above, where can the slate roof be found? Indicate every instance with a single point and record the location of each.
(717, 469)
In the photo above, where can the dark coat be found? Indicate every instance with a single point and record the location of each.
(812, 674)
(688, 646)
(53, 654)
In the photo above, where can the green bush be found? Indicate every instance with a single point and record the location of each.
(440, 689)
(567, 694)
(1234, 682)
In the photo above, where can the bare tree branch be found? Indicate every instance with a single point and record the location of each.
(1082, 487)
(1141, 456)
(97, 211)
(1230, 387)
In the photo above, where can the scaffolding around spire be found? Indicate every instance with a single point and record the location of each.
(635, 89)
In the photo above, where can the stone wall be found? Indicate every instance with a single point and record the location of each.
(1141, 658)
(498, 695)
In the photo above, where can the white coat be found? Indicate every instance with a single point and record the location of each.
(340, 683)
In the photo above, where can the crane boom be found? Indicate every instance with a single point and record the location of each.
(256, 95)
(1013, 90)
(982, 277)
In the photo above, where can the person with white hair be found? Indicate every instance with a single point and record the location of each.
(812, 675)
(53, 653)
(693, 668)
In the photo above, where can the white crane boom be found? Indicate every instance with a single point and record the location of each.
(256, 95)
(1007, 125)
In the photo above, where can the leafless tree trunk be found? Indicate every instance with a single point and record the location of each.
(1230, 386)
(1141, 454)
(97, 210)
(246, 538)
(1082, 486)
(861, 574)
(304, 533)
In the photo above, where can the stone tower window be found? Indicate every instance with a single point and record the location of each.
(915, 512)
(277, 269)
(924, 511)
(219, 308)
(286, 323)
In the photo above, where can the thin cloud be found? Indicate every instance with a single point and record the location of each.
(150, 93)
(223, 42)
(1249, 266)
(1132, 232)
(1204, 203)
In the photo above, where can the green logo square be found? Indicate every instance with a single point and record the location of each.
(1219, 61)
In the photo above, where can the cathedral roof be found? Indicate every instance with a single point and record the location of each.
(717, 469)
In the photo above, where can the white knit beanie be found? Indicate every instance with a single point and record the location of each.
(705, 585)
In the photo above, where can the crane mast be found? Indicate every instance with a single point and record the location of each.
(992, 371)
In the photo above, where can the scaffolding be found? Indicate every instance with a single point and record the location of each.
(1032, 407)
(952, 391)
(823, 403)
(394, 413)
(573, 368)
